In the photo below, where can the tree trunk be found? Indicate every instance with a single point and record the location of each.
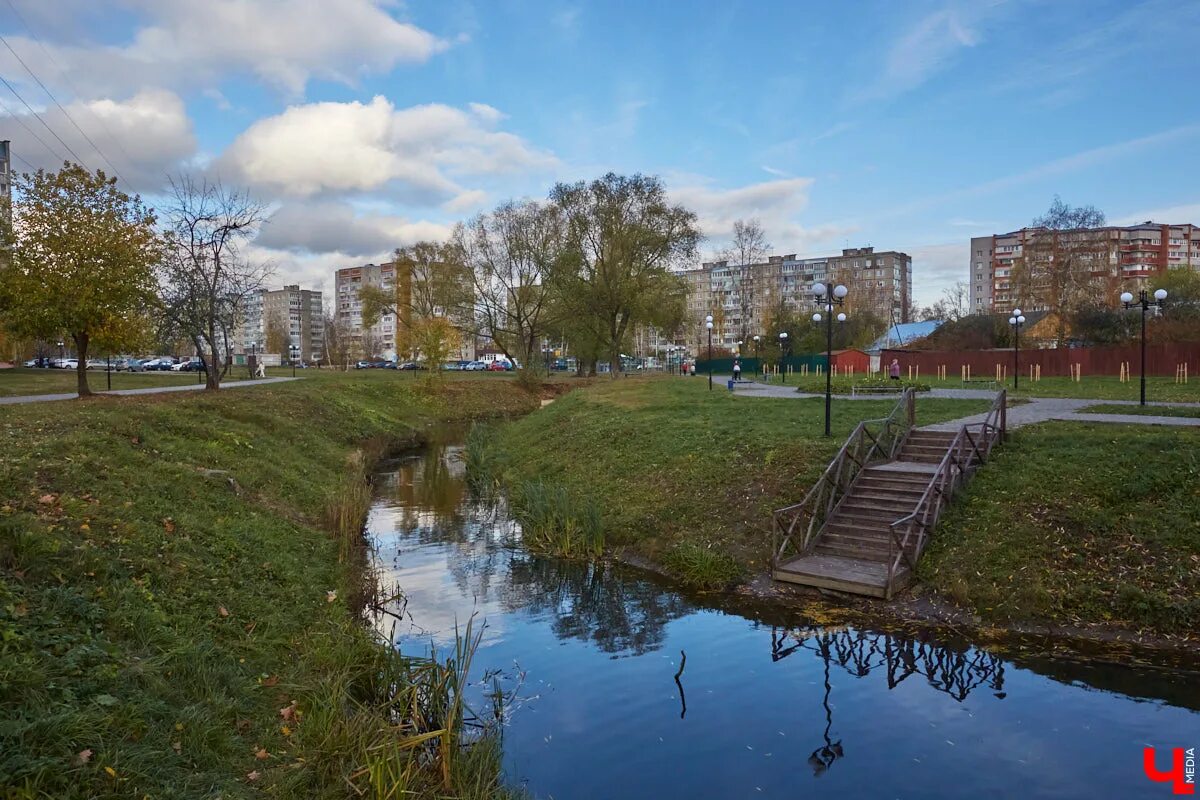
(81, 380)
(212, 378)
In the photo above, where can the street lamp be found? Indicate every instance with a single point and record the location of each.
(1016, 320)
(708, 325)
(826, 298)
(1160, 296)
(757, 358)
(294, 351)
(61, 354)
(783, 354)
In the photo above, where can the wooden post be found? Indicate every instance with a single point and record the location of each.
(1039, 372)
(918, 372)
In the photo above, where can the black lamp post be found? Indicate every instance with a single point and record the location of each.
(784, 352)
(757, 357)
(1160, 296)
(294, 350)
(827, 298)
(708, 325)
(1017, 320)
(61, 354)
(108, 371)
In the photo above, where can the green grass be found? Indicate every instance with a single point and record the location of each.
(1078, 523)
(1091, 387)
(1151, 411)
(668, 463)
(160, 619)
(844, 384)
(21, 381)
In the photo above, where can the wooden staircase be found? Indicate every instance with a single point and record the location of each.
(876, 506)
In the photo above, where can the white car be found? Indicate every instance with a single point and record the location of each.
(475, 366)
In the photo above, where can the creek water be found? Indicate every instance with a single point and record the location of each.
(768, 704)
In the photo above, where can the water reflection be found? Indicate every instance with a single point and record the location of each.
(606, 653)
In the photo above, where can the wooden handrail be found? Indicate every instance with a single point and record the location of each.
(862, 448)
(937, 492)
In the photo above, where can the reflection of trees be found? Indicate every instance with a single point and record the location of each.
(620, 614)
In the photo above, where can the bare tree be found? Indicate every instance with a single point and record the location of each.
(510, 255)
(338, 344)
(954, 304)
(205, 276)
(1064, 262)
(748, 247)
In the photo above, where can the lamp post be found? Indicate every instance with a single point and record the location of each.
(757, 357)
(708, 324)
(108, 371)
(826, 298)
(294, 351)
(783, 354)
(1160, 296)
(1016, 320)
(61, 354)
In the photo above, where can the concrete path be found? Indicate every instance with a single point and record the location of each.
(1038, 409)
(191, 387)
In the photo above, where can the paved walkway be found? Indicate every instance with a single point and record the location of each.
(191, 387)
(1038, 409)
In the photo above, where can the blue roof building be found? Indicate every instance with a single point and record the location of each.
(901, 334)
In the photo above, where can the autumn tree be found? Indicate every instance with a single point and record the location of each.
(277, 336)
(511, 255)
(429, 288)
(206, 276)
(623, 236)
(82, 256)
(749, 246)
(1063, 263)
(339, 346)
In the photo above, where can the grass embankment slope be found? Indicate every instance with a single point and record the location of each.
(167, 633)
(676, 473)
(1078, 524)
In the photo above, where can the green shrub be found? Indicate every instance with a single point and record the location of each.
(702, 566)
(554, 522)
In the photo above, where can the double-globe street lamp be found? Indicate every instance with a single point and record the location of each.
(708, 324)
(1160, 296)
(1017, 320)
(757, 357)
(827, 298)
(784, 351)
(294, 351)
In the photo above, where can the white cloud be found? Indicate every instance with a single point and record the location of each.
(936, 267)
(331, 227)
(776, 204)
(417, 152)
(284, 43)
(145, 137)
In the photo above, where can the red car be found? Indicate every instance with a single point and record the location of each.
(499, 366)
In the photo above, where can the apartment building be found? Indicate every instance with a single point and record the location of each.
(384, 338)
(742, 297)
(300, 314)
(1126, 257)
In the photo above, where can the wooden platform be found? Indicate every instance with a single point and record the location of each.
(843, 574)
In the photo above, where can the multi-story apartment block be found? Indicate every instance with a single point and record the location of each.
(743, 297)
(1125, 257)
(384, 337)
(299, 312)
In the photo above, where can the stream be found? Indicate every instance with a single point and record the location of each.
(767, 705)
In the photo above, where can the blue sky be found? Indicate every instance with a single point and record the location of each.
(906, 125)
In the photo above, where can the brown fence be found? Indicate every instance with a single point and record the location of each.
(1161, 359)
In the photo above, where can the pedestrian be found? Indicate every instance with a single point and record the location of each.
(737, 370)
(894, 369)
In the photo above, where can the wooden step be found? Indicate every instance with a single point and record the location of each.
(940, 437)
(843, 574)
(898, 488)
(899, 498)
(861, 505)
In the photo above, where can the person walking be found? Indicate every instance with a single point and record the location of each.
(737, 370)
(894, 369)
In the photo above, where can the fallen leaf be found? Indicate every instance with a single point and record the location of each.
(330, 596)
(168, 525)
(83, 756)
(253, 775)
(46, 499)
(261, 754)
(288, 712)
(223, 611)
(271, 681)
(112, 773)
(285, 730)
(177, 747)
(85, 527)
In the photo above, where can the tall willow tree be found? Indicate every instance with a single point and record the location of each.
(82, 262)
(623, 236)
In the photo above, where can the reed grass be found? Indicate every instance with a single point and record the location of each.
(703, 566)
(553, 521)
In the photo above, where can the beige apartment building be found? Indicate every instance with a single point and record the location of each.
(1125, 258)
(742, 297)
(299, 312)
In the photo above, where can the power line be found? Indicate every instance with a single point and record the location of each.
(67, 79)
(39, 119)
(28, 166)
(29, 130)
(66, 113)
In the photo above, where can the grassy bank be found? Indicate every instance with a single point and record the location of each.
(1077, 524)
(676, 473)
(173, 610)
(1148, 411)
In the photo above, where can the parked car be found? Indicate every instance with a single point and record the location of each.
(475, 366)
(163, 364)
(362, 364)
(194, 365)
(68, 363)
(499, 366)
(33, 362)
(410, 366)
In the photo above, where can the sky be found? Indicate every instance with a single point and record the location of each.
(364, 125)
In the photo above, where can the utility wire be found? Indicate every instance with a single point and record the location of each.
(66, 113)
(28, 129)
(39, 119)
(67, 79)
